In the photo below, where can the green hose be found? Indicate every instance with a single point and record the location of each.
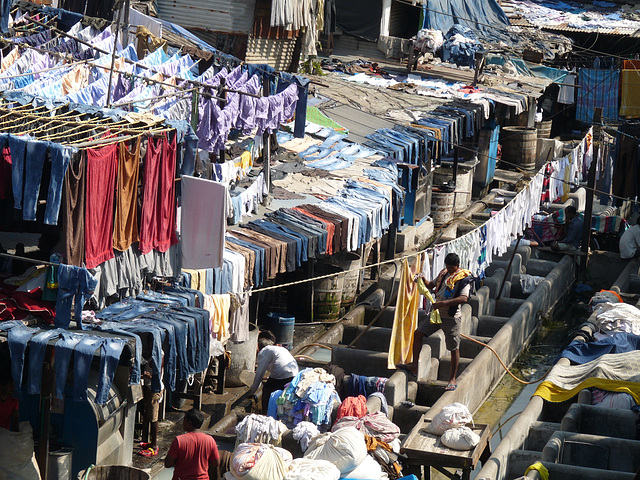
(86, 473)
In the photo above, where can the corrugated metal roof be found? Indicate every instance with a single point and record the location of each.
(228, 16)
(563, 27)
(277, 53)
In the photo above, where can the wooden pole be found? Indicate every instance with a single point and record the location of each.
(113, 52)
(266, 144)
(591, 184)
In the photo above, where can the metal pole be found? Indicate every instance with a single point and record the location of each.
(504, 279)
(266, 144)
(113, 53)
(591, 183)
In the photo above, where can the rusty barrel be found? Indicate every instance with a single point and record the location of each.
(327, 293)
(442, 207)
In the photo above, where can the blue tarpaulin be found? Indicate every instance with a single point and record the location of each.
(479, 15)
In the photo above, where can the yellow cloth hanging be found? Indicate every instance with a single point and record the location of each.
(218, 307)
(434, 316)
(405, 320)
(539, 467)
(198, 279)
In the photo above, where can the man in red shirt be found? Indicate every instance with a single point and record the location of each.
(194, 453)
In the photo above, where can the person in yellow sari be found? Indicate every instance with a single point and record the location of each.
(452, 288)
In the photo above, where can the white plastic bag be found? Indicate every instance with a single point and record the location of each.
(451, 416)
(308, 469)
(346, 448)
(460, 438)
(17, 459)
(369, 469)
(271, 463)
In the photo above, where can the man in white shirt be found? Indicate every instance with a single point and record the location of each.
(630, 241)
(281, 365)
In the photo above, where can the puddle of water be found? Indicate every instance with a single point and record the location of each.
(321, 354)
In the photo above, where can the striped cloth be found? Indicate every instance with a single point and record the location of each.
(598, 88)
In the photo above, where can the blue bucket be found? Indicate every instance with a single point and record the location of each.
(282, 327)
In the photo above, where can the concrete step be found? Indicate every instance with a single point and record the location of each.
(445, 367)
(376, 338)
(488, 325)
(369, 363)
(539, 434)
(469, 349)
(407, 417)
(430, 391)
(520, 460)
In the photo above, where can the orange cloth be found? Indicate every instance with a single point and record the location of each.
(75, 80)
(630, 93)
(125, 227)
(405, 320)
(353, 407)
(10, 59)
(331, 228)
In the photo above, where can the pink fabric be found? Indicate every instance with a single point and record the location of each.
(102, 165)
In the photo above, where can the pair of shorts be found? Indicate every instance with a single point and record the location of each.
(151, 404)
(450, 326)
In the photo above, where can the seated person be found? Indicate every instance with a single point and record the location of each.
(573, 238)
(9, 406)
(630, 241)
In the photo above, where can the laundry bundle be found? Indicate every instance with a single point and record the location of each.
(260, 429)
(346, 449)
(376, 425)
(304, 432)
(311, 396)
(460, 46)
(452, 416)
(259, 461)
(308, 469)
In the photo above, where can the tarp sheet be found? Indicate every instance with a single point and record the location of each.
(479, 15)
(360, 18)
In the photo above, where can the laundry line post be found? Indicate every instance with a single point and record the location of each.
(266, 144)
(121, 14)
(223, 103)
(591, 184)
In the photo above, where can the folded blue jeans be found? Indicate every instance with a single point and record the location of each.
(37, 349)
(109, 359)
(17, 338)
(60, 158)
(34, 161)
(82, 358)
(168, 333)
(63, 350)
(18, 147)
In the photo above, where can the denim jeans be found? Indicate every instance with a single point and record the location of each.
(37, 349)
(109, 359)
(60, 158)
(82, 358)
(156, 348)
(63, 350)
(192, 332)
(203, 337)
(332, 140)
(18, 146)
(73, 282)
(295, 221)
(34, 161)
(301, 245)
(168, 333)
(258, 271)
(17, 338)
(161, 298)
(136, 374)
(125, 310)
(181, 330)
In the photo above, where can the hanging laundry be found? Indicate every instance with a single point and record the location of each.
(405, 319)
(125, 230)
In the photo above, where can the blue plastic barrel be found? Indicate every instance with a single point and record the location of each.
(282, 326)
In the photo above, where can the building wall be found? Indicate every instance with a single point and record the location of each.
(225, 16)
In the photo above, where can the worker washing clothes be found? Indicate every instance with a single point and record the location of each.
(630, 241)
(452, 288)
(281, 365)
(573, 238)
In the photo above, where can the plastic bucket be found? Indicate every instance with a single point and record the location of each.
(282, 326)
(60, 462)
(327, 294)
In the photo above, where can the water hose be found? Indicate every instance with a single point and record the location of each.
(503, 364)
